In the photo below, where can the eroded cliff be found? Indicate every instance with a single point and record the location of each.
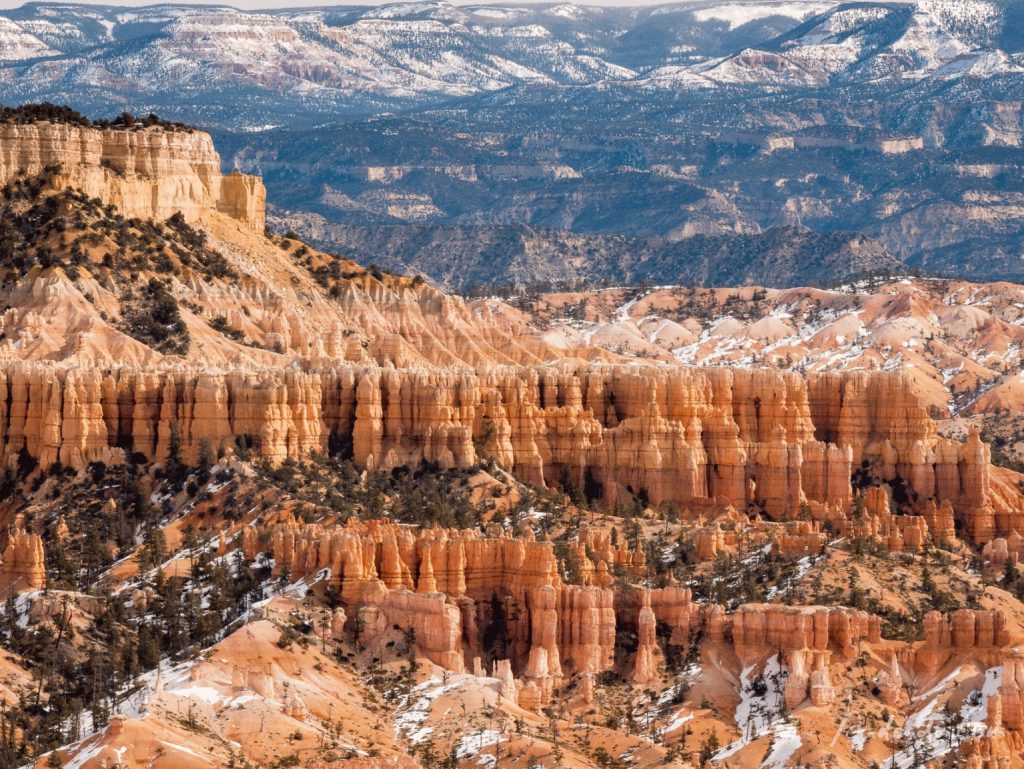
(699, 439)
(146, 172)
(620, 531)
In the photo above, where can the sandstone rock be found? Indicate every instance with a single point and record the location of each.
(1011, 694)
(338, 619)
(977, 631)
(890, 683)
(685, 436)
(990, 751)
(806, 638)
(261, 680)
(295, 708)
(757, 627)
(437, 624)
(502, 670)
(371, 624)
(147, 173)
(24, 563)
(822, 692)
(797, 538)
(645, 665)
(587, 627)
(675, 607)
(587, 688)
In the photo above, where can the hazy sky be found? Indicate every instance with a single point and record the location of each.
(264, 4)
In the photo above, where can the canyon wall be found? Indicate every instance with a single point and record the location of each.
(480, 601)
(469, 595)
(701, 439)
(144, 172)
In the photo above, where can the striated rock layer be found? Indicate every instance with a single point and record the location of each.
(765, 441)
(145, 172)
(24, 563)
(466, 594)
(460, 592)
(470, 597)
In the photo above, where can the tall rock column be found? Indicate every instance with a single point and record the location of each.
(24, 563)
(645, 666)
(367, 435)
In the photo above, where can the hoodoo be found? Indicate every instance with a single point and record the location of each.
(266, 506)
(599, 426)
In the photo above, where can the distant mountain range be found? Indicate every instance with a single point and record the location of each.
(256, 69)
(900, 121)
(471, 259)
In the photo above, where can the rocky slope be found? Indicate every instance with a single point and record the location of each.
(480, 258)
(264, 506)
(958, 341)
(77, 265)
(724, 119)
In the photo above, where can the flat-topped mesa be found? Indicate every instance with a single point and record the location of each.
(757, 628)
(701, 439)
(883, 423)
(147, 172)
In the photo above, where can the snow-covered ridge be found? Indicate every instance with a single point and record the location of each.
(424, 52)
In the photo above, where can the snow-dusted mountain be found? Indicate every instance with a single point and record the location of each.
(357, 61)
(347, 60)
(722, 119)
(866, 43)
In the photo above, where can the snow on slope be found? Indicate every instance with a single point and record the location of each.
(17, 43)
(868, 43)
(424, 52)
(738, 14)
(961, 342)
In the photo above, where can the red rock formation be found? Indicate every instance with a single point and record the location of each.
(149, 173)
(24, 563)
(675, 607)
(966, 629)
(587, 628)
(890, 683)
(1011, 694)
(796, 538)
(509, 691)
(990, 751)
(688, 436)
(338, 620)
(805, 638)
(556, 630)
(647, 660)
(437, 624)
(979, 632)
(1002, 550)
(756, 627)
